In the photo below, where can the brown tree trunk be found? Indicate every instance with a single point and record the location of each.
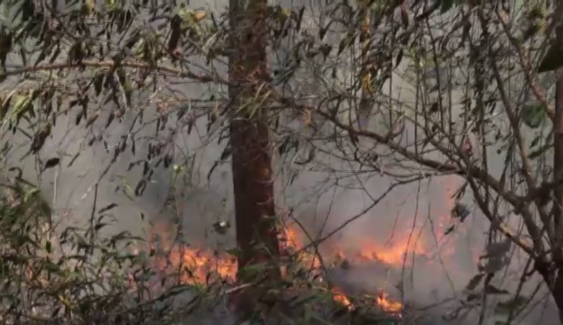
(251, 152)
(557, 284)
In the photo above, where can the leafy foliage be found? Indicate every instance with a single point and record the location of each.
(533, 115)
(72, 276)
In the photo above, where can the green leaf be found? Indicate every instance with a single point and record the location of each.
(346, 42)
(533, 115)
(4, 106)
(51, 163)
(98, 83)
(492, 290)
(446, 5)
(540, 151)
(536, 141)
(22, 106)
(235, 251)
(504, 307)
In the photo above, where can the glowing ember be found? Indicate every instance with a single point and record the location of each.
(290, 240)
(341, 299)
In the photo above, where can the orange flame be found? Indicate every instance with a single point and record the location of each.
(203, 267)
(393, 253)
(197, 266)
(341, 299)
(290, 239)
(388, 305)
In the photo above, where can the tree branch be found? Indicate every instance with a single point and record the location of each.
(111, 64)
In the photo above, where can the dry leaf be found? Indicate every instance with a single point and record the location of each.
(307, 117)
(200, 15)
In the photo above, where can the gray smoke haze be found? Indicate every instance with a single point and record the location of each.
(320, 198)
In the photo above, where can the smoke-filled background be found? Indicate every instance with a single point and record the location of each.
(413, 217)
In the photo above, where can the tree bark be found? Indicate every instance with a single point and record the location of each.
(557, 284)
(249, 138)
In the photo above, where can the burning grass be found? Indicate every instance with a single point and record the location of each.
(305, 270)
(202, 267)
(97, 280)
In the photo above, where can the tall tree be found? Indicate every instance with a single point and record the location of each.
(249, 134)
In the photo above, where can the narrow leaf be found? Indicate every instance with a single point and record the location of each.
(51, 163)
(533, 115)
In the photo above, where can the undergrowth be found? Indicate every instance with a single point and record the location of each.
(74, 275)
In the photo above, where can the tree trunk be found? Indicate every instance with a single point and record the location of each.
(251, 152)
(557, 284)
